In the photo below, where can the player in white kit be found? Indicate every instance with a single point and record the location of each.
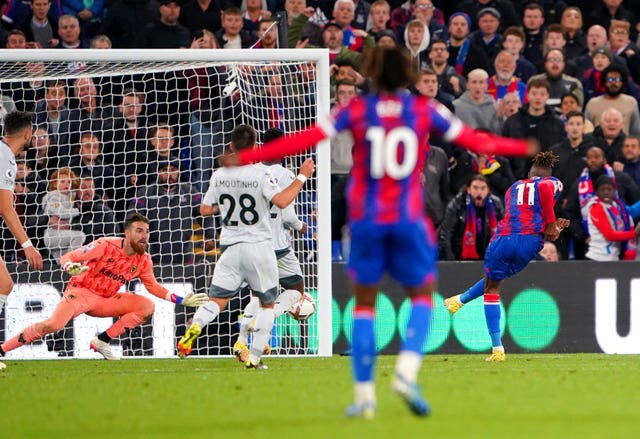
(242, 196)
(17, 136)
(283, 221)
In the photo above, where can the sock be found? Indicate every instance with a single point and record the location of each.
(285, 301)
(248, 316)
(492, 315)
(127, 321)
(410, 357)
(474, 292)
(364, 393)
(104, 337)
(363, 344)
(206, 314)
(22, 338)
(3, 299)
(261, 333)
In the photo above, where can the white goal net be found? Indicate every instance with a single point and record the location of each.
(117, 131)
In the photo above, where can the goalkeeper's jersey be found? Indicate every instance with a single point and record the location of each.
(8, 168)
(243, 195)
(283, 220)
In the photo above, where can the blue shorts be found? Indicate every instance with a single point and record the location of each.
(407, 251)
(508, 255)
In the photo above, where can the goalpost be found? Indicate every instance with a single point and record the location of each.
(184, 104)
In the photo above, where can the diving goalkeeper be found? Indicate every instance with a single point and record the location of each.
(97, 271)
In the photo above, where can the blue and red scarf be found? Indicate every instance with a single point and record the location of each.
(488, 166)
(469, 250)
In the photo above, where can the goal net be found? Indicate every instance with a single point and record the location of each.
(117, 131)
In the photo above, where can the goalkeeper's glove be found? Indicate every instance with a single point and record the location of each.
(191, 299)
(74, 268)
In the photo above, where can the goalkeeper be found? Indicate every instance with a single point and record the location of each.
(97, 271)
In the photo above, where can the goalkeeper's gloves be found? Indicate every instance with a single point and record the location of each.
(191, 299)
(74, 268)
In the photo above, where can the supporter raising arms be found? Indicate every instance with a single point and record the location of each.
(385, 196)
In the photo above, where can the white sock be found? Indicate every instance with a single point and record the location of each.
(3, 299)
(408, 365)
(248, 316)
(206, 314)
(285, 301)
(365, 392)
(261, 333)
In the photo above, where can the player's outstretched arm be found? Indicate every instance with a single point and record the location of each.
(148, 279)
(11, 219)
(74, 268)
(288, 194)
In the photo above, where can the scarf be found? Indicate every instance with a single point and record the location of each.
(586, 193)
(620, 220)
(487, 167)
(469, 250)
(462, 56)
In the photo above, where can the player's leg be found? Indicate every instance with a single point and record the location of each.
(241, 346)
(412, 262)
(224, 285)
(492, 316)
(74, 302)
(366, 266)
(133, 311)
(259, 266)
(290, 278)
(6, 284)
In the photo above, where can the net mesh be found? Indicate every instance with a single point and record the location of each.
(102, 133)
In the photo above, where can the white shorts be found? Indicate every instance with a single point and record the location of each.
(289, 271)
(253, 262)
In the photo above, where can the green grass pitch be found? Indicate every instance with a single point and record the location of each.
(529, 396)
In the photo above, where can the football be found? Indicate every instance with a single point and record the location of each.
(304, 308)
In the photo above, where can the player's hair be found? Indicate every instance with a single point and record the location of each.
(242, 137)
(16, 121)
(135, 217)
(545, 159)
(272, 134)
(389, 69)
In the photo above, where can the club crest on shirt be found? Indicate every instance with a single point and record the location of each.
(133, 268)
(389, 108)
(11, 174)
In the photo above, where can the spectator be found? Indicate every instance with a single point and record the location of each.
(379, 15)
(100, 42)
(126, 20)
(470, 222)
(610, 10)
(549, 252)
(38, 154)
(161, 138)
(402, 14)
(504, 8)
(91, 111)
(427, 85)
(487, 36)
(201, 14)
(57, 204)
(232, 35)
(611, 233)
(386, 39)
(535, 120)
(449, 81)
(423, 10)
(568, 103)
(353, 38)
(614, 81)
(596, 36)
(591, 82)
(513, 42)
(559, 82)
(18, 13)
(475, 107)
(416, 40)
(576, 43)
(631, 159)
(505, 81)
(69, 32)
(41, 25)
(609, 135)
(551, 9)
(166, 32)
(172, 208)
(554, 38)
(96, 218)
(267, 34)
(341, 163)
(305, 23)
(253, 12)
(464, 56)
(572, 150)
(89, 14)
(437, 188)
(622, 46)
(533, 21)
(511, 105)
(361, 14)
(582, 191)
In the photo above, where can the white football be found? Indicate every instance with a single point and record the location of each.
(304, 308)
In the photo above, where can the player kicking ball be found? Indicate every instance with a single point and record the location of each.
(97, 271)
(529, 219)
(243, 197)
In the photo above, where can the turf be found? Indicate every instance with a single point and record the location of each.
(529, 396)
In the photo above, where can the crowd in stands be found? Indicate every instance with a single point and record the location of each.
(564, 72)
